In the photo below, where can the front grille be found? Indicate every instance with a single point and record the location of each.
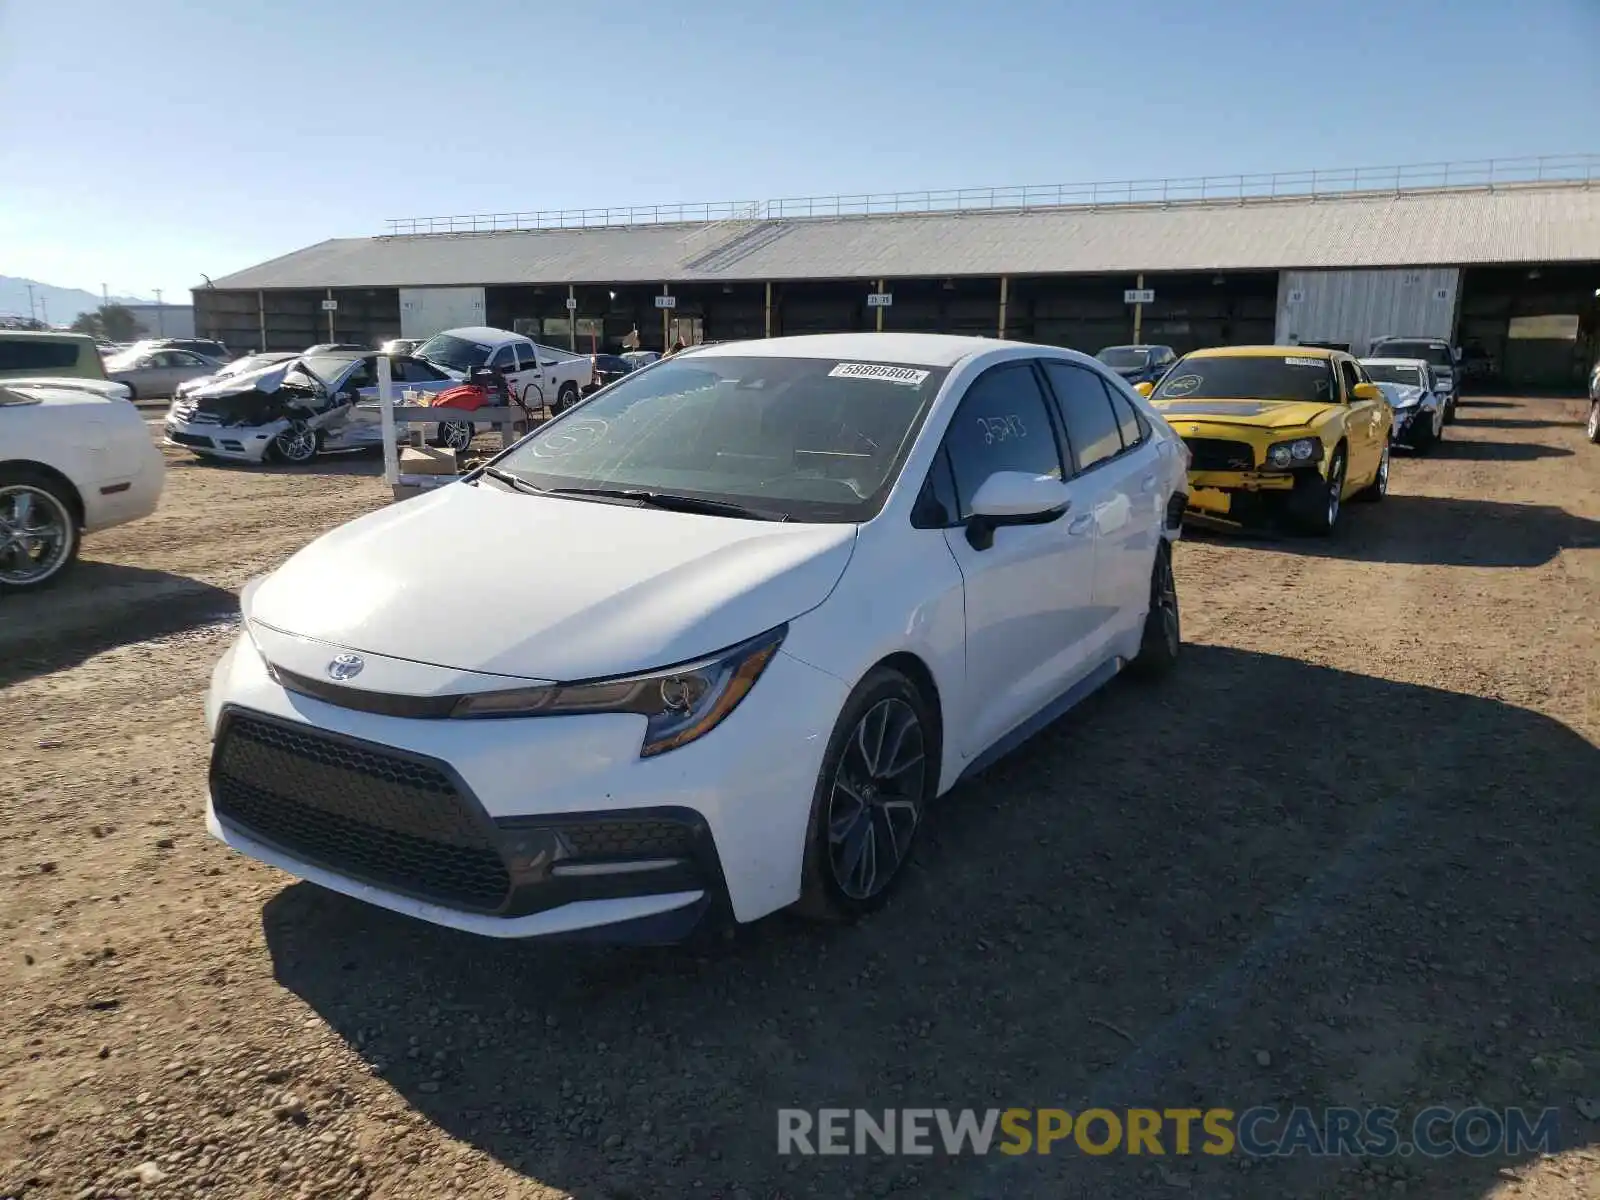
(191, 439)
(623, 839)
(359, 809)
(1217, 454)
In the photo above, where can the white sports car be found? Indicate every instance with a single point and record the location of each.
(757, 607)
(292, 411)
(71, 462)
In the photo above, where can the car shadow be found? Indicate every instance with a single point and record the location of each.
(96, 606)
(1259, 853)
(1433, 531)
(1463, 450)
(1471, 422)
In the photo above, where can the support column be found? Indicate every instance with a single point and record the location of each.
(1005, 288)
(331, 335)
(666, 317)
(768, 325)
(880, 309)
(1138, 314)
(572, 316)
(261, 312)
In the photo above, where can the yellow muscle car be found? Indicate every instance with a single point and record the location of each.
(1277, 430)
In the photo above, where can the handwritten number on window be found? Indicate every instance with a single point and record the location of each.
(1002, 429)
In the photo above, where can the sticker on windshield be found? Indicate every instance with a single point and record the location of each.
(1306, 362)
(1173, 389)
(906, 376)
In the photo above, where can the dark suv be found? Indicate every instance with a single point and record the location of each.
(1439, 354)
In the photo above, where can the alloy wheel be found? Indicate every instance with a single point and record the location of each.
(455, 435)
(1594, 422)
(297, 444)
(1382, 480)
(1335, 491)
(35, 534)
(876, 798)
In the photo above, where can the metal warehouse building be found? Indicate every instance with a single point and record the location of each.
(1509, 266)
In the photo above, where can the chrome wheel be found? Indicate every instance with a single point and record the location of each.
(876, 799)
(1593, 428)
(455, 435)
(37, 534)
(1381, 481)
(1335, 492)
(296, 444)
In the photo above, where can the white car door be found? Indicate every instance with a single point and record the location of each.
(1112, 449)
(534, 384)
(1028, 594)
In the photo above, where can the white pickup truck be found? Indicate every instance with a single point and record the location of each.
(536, 375)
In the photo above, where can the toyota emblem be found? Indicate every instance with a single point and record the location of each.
(346, 666)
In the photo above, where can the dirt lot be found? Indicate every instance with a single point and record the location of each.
(1348, 854)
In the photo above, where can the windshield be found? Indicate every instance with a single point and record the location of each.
(1251, 377)
(1123, 358)
(456, 353)
(1435, 354)
(125, 361)
(1410, 376)
(814, 439)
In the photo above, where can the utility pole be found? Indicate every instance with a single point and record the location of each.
(44, 311)
(161, 324)
(32, 314)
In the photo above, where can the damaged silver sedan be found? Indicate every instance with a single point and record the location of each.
(292, 411)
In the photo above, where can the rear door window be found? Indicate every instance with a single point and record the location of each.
(1086, 411)
(1129, 423)
(19, 354)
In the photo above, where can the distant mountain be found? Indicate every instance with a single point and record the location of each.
(60, 305)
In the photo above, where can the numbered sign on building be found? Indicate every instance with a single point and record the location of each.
(880, 299)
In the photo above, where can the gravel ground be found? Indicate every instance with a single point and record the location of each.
(1347, 854)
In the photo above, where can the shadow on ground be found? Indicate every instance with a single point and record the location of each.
(96, 606)
(1435, 530)
(1463, 450)
(1259, 881)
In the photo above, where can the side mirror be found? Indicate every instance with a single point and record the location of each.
(1366, 391)
(1014, 498)
(145, 363)
(1144, 389)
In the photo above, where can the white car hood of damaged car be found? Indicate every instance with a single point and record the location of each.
(475, 578)
(267, 379)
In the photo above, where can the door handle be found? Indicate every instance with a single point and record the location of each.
(1080, 524)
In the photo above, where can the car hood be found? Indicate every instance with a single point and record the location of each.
(475, 578)
(110, 389)
(1261, 414)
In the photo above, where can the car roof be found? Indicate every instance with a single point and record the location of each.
(485, 335)
(48, 335)
(1394, 362)
(918, 349)
(1135, 346)
(1264, 352)
(1411, 337)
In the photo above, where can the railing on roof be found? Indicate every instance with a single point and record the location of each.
(1487, 173)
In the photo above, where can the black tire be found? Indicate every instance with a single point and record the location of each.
(1163, 626)
(297, 445)
(893, 806)
(133, 392)
(1450, 411)
(1592, 429)
(1375, 491)
(566, 397)
(60, 514)
(1316, 503)
(451, 436)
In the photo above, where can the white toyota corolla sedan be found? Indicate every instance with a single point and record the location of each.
(712, 641)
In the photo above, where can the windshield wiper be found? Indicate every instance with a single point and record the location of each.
(674, 502)
(515, 482)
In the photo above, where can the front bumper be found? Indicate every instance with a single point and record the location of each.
(244, 443)
(522, 827)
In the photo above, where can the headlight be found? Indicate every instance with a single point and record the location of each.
(1294, 454)
(679, 703)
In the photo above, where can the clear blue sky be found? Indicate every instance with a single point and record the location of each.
(144, 143)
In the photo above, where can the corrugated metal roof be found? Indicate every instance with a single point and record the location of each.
(1445, 228)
